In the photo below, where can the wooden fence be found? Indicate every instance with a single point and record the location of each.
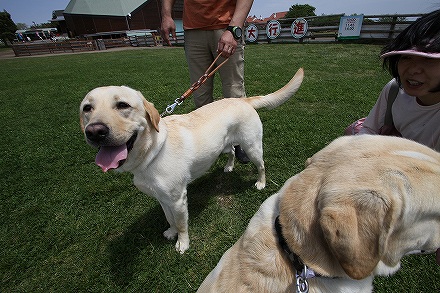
(375, 28)
(49, 47)
(67, 46)
(72, 46)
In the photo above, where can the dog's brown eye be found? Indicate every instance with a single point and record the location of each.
(87, 108)
(122, 105)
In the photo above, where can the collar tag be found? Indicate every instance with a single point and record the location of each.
(302, 286)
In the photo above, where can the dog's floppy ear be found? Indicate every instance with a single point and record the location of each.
(152, 114)
(356, 228)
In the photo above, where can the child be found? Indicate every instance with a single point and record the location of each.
(413, 59)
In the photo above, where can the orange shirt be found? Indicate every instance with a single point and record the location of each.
(207, 14)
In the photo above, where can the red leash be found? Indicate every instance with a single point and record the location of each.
(208, 73)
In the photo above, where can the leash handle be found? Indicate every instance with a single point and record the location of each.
(208, 73)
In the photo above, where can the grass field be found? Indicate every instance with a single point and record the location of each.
(68, 227)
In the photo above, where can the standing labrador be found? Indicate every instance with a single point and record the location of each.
(165, 155)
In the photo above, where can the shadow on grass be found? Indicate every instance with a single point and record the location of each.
(217, 183)
(124, 249)
(147, 231)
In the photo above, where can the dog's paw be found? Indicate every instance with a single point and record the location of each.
(230, 164)
(182, 244)
(228, 168)
(170, 233)
(260, 185)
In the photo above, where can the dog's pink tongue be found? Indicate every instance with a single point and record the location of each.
(109, 157)
(437, 256)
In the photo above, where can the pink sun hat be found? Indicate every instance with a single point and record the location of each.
(413, 53)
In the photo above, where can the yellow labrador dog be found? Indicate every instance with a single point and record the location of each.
(358, 207)
(165, 155)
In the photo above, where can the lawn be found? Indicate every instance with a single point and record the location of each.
(68, 227)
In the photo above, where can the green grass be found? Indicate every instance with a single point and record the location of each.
(68, 227)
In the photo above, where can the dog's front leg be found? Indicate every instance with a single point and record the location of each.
(171, 232)
(176, 212)
(180, 215)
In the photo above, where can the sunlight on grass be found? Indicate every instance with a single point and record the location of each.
(68, 227)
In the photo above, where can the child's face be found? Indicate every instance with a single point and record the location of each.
(419, 75)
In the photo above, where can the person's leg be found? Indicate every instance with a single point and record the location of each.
(199, 57)
(232, 77)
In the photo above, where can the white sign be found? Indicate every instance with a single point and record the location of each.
(299, 28)
(350, 27)
(273, 29)
(251, 33)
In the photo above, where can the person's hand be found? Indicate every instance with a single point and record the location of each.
(168, 27)
(227, 44)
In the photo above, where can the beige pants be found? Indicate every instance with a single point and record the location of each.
(200, 51)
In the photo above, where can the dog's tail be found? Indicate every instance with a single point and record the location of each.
(277, 98)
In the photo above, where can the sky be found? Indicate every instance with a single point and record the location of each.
(40, 11)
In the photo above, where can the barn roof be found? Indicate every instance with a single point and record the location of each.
(103, 7)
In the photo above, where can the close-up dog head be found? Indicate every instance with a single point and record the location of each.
(361, 204)
(112, 119)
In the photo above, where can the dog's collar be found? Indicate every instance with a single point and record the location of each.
(303, 272)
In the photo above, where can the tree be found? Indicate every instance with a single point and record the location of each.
(21, 26)
(299, 10)
(7, 27)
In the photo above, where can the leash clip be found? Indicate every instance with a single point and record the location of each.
(170, 108)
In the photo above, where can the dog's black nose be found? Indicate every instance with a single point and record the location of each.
(96, 132)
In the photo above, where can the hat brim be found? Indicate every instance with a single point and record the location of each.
(413, 53)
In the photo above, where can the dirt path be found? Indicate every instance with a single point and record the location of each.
(7, 53)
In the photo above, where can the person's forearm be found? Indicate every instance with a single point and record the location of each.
(167, 8)
(168, 27)
(241, 12)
